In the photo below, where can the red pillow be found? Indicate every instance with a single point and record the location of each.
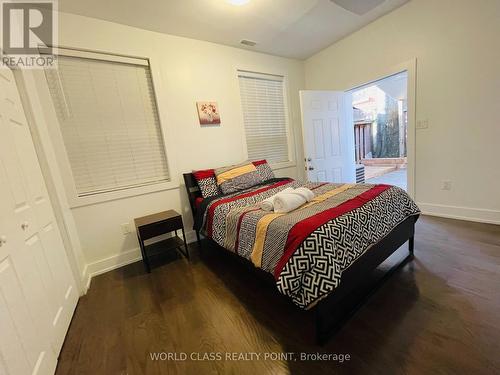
(197, 201)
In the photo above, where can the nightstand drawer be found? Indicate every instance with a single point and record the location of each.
(159, 228)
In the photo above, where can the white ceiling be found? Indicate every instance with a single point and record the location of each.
(290, 28)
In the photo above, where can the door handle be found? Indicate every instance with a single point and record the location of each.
(3, 240)
(25, 225)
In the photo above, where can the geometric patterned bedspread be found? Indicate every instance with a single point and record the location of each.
(307, 249)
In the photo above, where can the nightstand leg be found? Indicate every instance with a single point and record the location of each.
(185, 243)
(144, 256)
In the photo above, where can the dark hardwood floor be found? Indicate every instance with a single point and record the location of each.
(440, 314)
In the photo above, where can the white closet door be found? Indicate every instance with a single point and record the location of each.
(37, 290)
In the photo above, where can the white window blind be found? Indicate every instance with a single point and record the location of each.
(264, 116)
(109, 122)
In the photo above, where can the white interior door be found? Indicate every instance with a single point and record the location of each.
(37, 290)
(328, 133)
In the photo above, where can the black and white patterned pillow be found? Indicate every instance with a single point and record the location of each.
(265, 171)
(208, 187)
(207, 183)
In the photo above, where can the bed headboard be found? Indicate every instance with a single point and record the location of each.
(193, 191)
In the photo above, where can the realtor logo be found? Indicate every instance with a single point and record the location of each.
(28, 33)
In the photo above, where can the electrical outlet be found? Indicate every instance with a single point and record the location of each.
(446, 185)
(126, 228)
(422, 124)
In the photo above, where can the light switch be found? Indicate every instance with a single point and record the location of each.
(446, 185)
(422, 124)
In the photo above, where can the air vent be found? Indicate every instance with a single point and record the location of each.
(358, 7)
(249, 43)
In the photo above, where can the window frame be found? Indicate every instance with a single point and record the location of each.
(74, 199)
(291, 162)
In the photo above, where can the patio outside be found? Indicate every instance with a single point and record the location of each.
(380, 128)
(396, 178)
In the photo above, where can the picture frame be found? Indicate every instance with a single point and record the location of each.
(208, 113)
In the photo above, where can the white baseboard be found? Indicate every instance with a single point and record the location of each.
(116, 261)
(479, 215)
(108, 264)
(85, 280)
(191, 236)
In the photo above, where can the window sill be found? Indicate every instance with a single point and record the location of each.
(76, 202)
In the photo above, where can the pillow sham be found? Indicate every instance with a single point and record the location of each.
(237, 177)
(207, 183)
(265, 171)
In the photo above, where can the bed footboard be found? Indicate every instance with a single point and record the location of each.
(332, 312)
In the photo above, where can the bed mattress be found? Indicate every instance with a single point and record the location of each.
(307, 249)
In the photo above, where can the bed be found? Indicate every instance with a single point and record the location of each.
(318, 253)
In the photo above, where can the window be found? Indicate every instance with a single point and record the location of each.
(108, 120)
(264, 116)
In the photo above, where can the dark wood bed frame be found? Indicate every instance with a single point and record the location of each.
(334, 310)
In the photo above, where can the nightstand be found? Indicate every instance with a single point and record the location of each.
(155, 225)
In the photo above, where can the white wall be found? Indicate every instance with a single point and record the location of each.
(188, 71)
(457, 47)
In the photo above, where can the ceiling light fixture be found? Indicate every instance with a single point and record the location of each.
(238, 2)
(358, 7)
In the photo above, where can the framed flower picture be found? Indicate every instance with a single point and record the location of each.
(208, 113)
